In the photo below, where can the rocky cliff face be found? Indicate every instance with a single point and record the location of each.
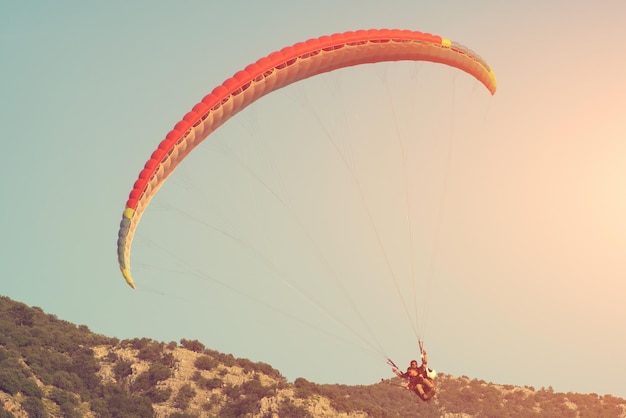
(209, 401)
(180, 383)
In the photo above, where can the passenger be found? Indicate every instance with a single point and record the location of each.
(420, 378)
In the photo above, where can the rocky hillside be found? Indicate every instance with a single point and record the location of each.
(52, 368)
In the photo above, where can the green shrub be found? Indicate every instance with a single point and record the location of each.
(61, 397)
(158, 395)
(122, 369)
(289, 409)
(184, 396)
(192, 345)
(6, 414)
(29, 388)
(34, 407)
(151, 352)
(205, 362)
(10, 381)
(209, 384)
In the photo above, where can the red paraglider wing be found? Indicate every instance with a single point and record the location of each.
(277, 70)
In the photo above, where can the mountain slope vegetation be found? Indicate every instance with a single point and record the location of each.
(53, 368)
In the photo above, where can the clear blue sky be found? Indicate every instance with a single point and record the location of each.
(518, 231)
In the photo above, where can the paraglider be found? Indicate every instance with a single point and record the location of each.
(420, 379)
(277, 70)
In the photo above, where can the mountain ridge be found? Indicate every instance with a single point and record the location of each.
(53, 368)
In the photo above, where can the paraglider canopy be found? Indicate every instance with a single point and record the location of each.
(279, 69)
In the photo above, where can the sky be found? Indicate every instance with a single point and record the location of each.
(294, 234)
